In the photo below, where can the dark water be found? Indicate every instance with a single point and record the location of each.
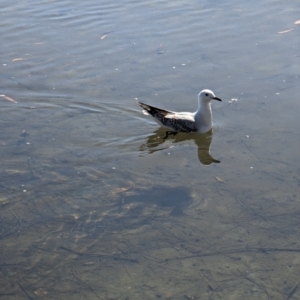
(95, 204)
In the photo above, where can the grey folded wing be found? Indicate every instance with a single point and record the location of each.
(179, 124)
(176, 121)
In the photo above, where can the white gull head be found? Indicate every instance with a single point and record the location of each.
(207, 96)
(203, 116)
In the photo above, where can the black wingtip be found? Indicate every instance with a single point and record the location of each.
(144, 106)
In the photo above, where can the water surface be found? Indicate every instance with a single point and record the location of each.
(95, 204)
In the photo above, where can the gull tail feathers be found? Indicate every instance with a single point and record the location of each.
(145, 107)
(148, 109)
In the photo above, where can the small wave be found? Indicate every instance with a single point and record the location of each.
(218, 127)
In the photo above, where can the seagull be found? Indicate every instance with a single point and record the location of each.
(199, 121)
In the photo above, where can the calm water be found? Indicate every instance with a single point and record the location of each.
(95, 204)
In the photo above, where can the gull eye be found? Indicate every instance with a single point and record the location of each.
(206, 94)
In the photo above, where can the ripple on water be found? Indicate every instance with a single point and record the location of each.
(218, 127)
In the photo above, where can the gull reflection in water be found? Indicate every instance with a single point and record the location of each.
(157, 142)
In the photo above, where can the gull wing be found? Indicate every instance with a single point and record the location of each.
(183, 122)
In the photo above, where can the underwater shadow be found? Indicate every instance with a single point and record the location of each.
(175, 198)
